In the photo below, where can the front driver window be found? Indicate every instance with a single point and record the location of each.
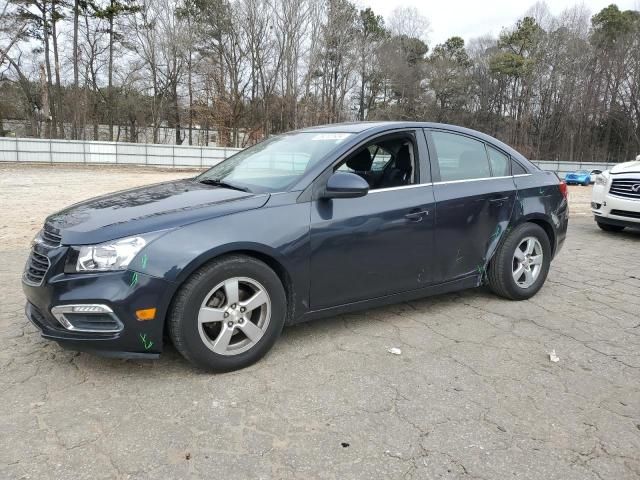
(460, 157)
(384, 163)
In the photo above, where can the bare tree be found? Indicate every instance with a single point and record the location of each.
(235, 71)
(409, 22)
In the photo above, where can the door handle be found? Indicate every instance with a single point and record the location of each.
(416, 215)
(498, 200)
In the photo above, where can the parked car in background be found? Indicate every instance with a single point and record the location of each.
(579, 177)
(615, 200)
(309, 224)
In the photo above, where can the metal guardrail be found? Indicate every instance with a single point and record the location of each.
(73, 151)
(564, 167)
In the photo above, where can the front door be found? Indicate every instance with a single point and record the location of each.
(381, 243)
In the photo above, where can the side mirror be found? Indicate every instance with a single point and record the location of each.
(596, 172)
(345, 185)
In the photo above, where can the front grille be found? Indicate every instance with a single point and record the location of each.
(36, 268)
(625, 213)
(50, 238)
(38, 262)
(626, 188)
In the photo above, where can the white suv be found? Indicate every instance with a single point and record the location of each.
(615, 201)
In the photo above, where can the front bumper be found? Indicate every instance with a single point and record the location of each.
(614, 210)
(123, 292)
(616, 222)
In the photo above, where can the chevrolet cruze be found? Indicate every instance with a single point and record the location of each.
(308, 224)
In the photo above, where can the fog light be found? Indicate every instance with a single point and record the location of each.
(90, 309)
(595, 205)
(90, 318)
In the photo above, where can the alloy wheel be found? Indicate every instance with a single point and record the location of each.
(234, 316)
(527, 262)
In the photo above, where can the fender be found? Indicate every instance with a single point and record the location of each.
(534, 204)
(284, 238)
(540, 201)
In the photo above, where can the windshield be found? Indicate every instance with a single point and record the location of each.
(275, 164)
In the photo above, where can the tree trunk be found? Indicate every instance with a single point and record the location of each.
(45, 109)
(56, 60)
(51, 130)
(176, 112)
(190, 87)
(363, 77)
(76, 14)
(110, 74)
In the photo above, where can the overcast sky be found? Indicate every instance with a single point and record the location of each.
(472, 18)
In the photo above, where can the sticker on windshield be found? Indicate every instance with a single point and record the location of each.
(330, 136)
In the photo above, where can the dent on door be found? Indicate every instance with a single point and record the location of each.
(472, 218)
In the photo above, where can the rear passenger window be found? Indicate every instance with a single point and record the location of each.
(460, 157)
(499, 163)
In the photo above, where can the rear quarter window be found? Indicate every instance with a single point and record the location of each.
(500, 163)
(517, 169)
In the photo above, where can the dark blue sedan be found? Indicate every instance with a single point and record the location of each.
(309, 224)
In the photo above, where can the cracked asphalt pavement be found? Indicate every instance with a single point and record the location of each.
(473, 394)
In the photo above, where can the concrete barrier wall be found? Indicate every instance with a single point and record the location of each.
(72, 151)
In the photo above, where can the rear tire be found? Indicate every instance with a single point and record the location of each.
(228, 314)
(520, 266)
(610, 228)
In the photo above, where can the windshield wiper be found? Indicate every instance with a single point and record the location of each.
(220, 183)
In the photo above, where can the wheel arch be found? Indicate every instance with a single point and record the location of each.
(256, 251)
(546, 225)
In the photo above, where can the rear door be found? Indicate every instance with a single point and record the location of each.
(475, 195)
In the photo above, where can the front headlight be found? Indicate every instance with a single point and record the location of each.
(109, 256)
(601, 179)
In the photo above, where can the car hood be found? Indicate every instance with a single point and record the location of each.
(146, 209)
(627, 167)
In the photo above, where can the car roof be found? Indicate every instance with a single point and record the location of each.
(358, 127)
(352, 127)
(380, 127)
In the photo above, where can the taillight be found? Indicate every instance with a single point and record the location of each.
(564, 190)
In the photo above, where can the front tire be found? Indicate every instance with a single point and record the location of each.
(520, 266)
(610, 228)
(228, 314)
